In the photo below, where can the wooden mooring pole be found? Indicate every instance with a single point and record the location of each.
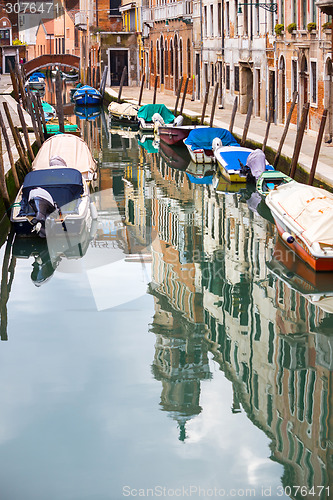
(247, 122)
(317, 148)
(3, 185)
(179, 89)
(37, 117)
(33, 121)
(59, 105)
(284, 135)
(233, 114)
(25, 132)
(9, 151)
(299, 139)
(8, 268)
(155, 89)
(270, 120)
(24, 161)
(141, 88)
(184, 96)
(204, 106)
(214, 104)
(122, 80)
(14, 81)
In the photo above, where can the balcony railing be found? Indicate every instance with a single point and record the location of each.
(169, 11)
(81, 20)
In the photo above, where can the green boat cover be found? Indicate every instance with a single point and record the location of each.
(53, 128)
(148, 110)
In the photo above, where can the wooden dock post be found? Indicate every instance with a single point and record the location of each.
(59, 105)
(179, 89)
(270, 119)
(184, 96)
(141, 88)
(34, 123)
(25, 132)
(9, 151)
(8, 268)
(204, 106)
(123, 76)
(317, 148)
(284, 135)
(38, 117)
(3, 185)
(155, 89)
(21, 86)
(233, 114)
(103, 81)
(247, 123)
(41, 114)
(212, 113)
(299, 139)
(14, 81)
(24, 161)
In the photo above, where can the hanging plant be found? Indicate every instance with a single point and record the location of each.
(279, 28)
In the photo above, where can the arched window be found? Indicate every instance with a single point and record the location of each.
(162, 59)
(180, 57)
(151, 57)
(188, 57)
(157, 58)
(166, 56)
(171, 58)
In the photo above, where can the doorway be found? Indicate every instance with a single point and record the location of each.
(271, 92)
(118, 59)
(197, 74)
(12, 59)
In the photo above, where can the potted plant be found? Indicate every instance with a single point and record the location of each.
(327, 26)
(291, 27)
(279, 29)
(311, 27)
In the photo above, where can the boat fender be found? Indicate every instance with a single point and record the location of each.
(287, 237)
(93, 211)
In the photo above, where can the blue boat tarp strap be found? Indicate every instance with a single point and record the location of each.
(148, 110)
(63, 184)
(202, 138)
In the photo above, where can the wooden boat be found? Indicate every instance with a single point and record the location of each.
(86, 96)
(55, 193)
(232, 161)
(174, 135)
(52, 127)
(150, 113)
(124, 112)
(270, 180)
(70, 76)
(304, 219)
(200, 143)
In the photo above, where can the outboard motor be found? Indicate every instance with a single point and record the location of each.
(43, 205)
(256, 162)
(216, 144)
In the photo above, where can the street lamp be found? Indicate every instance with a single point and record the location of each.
(271, 7)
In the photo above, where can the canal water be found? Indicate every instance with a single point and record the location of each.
(175, 350)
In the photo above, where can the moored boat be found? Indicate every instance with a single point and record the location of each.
(35, 82)
(56, 192)
(52, 127)
(149, 114)
(174, 135)
(86, 95)
(304, 218)
(270, 180)
(239, 164)
(124, 112)
(200, 143)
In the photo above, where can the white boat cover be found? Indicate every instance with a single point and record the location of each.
(123, 109)
(310, 208)
(72, 149)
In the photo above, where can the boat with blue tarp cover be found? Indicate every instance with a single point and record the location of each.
(36, 82)
(86, 95)
(238, 164)
(200, 143)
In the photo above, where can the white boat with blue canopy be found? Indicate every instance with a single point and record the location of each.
(200, 143)
(238, 164)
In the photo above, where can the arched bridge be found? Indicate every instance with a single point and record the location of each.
(45, 60)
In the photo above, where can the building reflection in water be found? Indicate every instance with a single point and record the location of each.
(214, 290)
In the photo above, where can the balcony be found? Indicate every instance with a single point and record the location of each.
(326, 6)
(81, 20)
(175, 10)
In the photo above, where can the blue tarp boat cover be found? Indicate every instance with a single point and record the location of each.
(148, 110)
(86, 89)
(202, 138)
(232, 158)
(38, 74)
(63, 184)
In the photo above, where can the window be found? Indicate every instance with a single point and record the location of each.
(314, 82)
(166, 55)
(227, 18)
(211, 20)
(205, 21)
(151, 57)
(188, 57)
(294, 76)
(227, 77)
(236, 78)
(212, 75)
(157, 58)
(114, 7)
(171, 58)
(219, 18)
(180, 57)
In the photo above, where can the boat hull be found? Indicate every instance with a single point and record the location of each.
(300, 249)
(174, 136)
(87, 100)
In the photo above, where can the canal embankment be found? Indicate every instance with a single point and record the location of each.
(255, 135)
